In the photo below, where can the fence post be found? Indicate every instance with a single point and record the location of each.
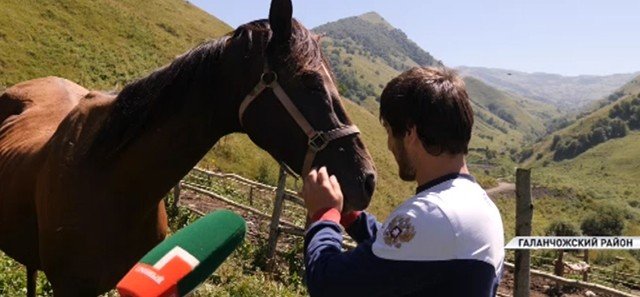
(524, 214)
(176, 195)
(251, 196)
(585, 273)
(274, 229)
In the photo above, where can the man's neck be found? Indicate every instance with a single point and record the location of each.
(430, 167)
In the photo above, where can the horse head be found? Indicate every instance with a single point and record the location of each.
(290, 106)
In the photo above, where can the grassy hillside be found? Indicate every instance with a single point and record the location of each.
(605, 175)
(613, 120)
(99, 44)
(598, 169)
(570, 93)
(522, 114)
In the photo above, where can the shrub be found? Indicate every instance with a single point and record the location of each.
(562, 227)
(608, 221)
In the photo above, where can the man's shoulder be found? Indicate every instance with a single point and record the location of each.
(416, 230)
(451, 221)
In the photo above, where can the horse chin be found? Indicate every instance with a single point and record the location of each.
(357, 194)
(355, 200)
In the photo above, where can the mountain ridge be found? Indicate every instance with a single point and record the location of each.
(569, 93)
(363, 73)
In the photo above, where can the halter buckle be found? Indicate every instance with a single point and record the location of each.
(318, 142)
(268, 77)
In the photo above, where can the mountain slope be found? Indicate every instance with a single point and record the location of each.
(366, 52)
(569, 93)
(630, 88)
(99, 44)
(614, 120)
(522, 114)
(381, 39)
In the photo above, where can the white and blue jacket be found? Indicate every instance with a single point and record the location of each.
(447, 240)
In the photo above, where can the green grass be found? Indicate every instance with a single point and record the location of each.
(608, 172)
(242, 273)
(13, 279)
(99, 44)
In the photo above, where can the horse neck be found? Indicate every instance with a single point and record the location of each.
(162, 125)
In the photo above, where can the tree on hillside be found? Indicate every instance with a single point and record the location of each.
(618, 128)
(561, 228)
(634, 120)
(608, 221)
(556, 139)
(598, 135)
(615, 96)
(603, 130)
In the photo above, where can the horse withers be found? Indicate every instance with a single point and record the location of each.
(83, 173)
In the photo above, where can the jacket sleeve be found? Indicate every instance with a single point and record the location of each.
(363, 227)
(332, 272)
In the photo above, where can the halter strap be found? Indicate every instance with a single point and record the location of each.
(318, 140)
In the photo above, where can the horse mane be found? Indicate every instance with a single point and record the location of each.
(137, 101)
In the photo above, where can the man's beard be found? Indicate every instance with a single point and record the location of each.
(407, 171)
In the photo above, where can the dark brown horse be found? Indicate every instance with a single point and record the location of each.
(82, 173)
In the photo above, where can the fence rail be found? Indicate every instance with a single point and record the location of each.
(576, 283)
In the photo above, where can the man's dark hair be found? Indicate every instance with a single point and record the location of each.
(436, 102)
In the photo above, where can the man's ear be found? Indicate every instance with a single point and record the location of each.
(411, 137)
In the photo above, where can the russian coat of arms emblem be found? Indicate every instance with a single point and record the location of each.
(398, 231)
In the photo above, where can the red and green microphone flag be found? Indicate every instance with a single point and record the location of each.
(183, 261)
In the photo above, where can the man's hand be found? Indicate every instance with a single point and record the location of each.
(321, 191)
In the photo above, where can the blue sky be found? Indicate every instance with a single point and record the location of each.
(568, 37)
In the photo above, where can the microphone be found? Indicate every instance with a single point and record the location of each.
(183, 261)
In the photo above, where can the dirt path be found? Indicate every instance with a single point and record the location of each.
(501, 188)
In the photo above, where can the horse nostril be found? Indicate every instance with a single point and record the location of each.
(369, 184)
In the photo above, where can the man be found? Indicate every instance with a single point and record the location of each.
(447, 240)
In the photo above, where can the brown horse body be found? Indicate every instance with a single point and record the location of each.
(30, 113)
(82, 174)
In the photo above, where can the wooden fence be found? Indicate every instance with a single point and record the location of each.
(280, 206)
(522, 266)
(286, 213)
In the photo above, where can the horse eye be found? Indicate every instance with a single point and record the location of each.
(317, 89)
(314, 83)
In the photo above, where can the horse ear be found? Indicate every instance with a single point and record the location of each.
(280, 17)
